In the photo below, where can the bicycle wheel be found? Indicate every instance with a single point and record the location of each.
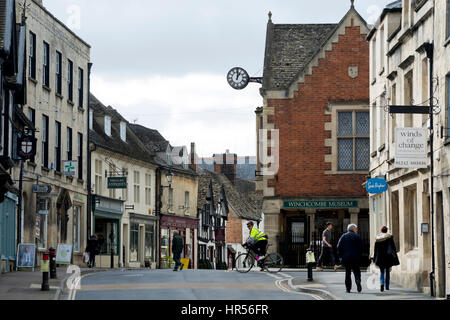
(244, 262)
(273, 263)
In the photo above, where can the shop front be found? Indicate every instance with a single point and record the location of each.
(8, 232)
(187, 228)
(107, 218)
(142, 240)
(303, 221)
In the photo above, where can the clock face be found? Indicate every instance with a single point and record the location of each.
(238, 78)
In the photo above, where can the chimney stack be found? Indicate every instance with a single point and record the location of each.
(226, 164)
(194, 161)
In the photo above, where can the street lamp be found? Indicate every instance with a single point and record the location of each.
(169, 177)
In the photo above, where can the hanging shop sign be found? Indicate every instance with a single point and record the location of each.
(411, 147)
(26, 147)
(117, 182)
(70, 167)
(376, 185)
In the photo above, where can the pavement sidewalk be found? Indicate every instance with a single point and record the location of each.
(26, 284)
(330, 286)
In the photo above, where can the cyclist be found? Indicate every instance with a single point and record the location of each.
(257, 241)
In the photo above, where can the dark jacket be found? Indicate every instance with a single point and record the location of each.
(177, 244)
(350, 248)
(92, 246)
(385, 252)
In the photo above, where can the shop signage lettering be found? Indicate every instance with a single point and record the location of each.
(321, 204)
(410, 148)
(117, 182)
(376, 185)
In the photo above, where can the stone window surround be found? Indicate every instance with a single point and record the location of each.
(333, 108)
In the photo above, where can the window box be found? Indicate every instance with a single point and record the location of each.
(70, 102)
(373, 154)
(33, 80)
(59, 95)
(46, 88)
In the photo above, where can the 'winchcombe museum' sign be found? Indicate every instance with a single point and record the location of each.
(335, 204)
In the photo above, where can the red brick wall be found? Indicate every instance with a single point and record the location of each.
(234, 228)
(301, 121)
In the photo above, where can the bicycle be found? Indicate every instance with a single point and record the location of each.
(244, 262)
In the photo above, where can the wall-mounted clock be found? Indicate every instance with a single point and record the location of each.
(238, 78)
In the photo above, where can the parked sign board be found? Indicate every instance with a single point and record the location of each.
(63, 253)
(411, 147)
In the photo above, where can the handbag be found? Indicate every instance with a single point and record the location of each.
(86, 257)
(391, 253)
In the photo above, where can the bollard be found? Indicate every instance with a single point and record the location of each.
(310, 260)
(310, 273)
(52, 256)
(112, 258)
(44, 268)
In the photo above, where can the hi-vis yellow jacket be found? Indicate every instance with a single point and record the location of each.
(256, 235)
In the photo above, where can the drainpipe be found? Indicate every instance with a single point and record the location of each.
(429, 49)
(89, 184)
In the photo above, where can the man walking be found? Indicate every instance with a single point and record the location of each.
(350, 248)
(327, 248)
(177, 248)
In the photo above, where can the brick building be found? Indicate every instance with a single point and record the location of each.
(313, 131)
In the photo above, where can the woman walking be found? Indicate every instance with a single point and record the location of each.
(385, 256)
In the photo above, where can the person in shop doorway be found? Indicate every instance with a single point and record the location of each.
(93, 249)
(177, 248)
(385, 256)
(327, 253)
(350, 249)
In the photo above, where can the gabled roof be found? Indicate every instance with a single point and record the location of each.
(291, 49)
(288, 48)
(247, 205)
(132, 148)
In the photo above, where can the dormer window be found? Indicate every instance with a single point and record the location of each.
(108, 126)
(123, 131)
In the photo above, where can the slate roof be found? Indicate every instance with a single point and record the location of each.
(155, 143)
(289, 48)
(247, 205)
(151, 138)
(132, 148)
(395, 6)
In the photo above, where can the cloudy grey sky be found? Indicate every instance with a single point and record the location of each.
(163, 64)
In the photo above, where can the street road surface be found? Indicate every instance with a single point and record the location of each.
(166, 284)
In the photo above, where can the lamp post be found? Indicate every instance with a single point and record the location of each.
(169, 179)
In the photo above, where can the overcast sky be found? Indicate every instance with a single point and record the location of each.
(163, 64)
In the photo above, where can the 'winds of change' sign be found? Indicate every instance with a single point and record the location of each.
(410, 148)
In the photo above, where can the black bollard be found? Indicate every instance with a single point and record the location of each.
(112, 258)
(44, 268)
(310, 273)
(52, 256)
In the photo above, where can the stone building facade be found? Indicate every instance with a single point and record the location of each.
(400, 75)
(313, 131)
(124, 208)
(57, 72)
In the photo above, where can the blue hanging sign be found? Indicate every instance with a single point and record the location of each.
(376, 185)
